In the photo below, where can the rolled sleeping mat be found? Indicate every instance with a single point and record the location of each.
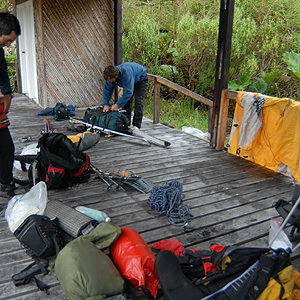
(70, 220)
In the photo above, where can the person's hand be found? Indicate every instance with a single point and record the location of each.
(6, 100)
(114, 107)
(106, 108)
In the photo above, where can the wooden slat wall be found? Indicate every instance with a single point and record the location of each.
(78, 45)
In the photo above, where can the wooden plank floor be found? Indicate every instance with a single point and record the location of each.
(230, 198)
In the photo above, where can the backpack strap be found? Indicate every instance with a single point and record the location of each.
(42, 285)
(24, 276)
(263, 273)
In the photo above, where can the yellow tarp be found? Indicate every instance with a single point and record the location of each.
(277, 143)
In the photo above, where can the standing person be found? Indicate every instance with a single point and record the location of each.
(9, 31)
(132, 77)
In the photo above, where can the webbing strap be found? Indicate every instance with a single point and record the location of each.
(263, 274)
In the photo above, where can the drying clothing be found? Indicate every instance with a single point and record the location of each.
(251, 122)
(276, 144)
(134, 81)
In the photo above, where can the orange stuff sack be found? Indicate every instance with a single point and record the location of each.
(135, 260)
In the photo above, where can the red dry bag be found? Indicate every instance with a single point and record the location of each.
(135, 260)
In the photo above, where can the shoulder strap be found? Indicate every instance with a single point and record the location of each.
(260, 280)
(37, 267)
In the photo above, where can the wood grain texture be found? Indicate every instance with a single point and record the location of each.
(230, 198)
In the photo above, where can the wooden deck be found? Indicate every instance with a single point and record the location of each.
(230, 198)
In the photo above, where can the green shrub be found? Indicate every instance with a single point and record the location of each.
(142, 43)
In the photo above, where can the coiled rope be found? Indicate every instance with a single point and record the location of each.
(167, 199)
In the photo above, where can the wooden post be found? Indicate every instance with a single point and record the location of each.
(156, 101)
(221, 128)
(40, 52)
(117, 38)
(222, 63)
(118, 32)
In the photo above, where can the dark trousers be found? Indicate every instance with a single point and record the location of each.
(139, 97)
(7, 154)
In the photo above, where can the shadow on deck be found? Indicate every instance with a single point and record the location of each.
(230, 198)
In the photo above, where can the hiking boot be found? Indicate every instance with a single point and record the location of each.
(8, 190)
(131, 128)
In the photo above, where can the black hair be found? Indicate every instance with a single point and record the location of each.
(9, 23)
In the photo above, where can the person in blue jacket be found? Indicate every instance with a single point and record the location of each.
(132, 77)
(9, 30)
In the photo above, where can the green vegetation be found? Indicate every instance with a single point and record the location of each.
(179, 112)
(178, 40)
(11, 52)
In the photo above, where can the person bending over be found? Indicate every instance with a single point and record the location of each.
(132, 77)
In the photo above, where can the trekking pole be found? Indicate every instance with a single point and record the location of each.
(106, 179)
(285, 222)
(109, 131)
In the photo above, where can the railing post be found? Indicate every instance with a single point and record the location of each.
(156, 101)
(221, 126)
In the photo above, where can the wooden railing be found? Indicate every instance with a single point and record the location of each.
(220, 129)
(160, 80)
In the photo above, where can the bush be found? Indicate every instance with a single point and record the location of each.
(183, 35)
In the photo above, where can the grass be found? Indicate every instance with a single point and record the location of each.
(178, 112)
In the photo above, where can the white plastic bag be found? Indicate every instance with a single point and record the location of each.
(196, 132)
(281, 241)
(22, 206)
(30, 149)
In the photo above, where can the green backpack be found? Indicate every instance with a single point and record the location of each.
(113, 120)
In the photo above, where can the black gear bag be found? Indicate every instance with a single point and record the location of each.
(41, 238)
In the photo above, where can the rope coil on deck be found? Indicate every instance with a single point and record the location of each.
(167, 199)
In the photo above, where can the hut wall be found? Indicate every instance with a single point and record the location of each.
(74, 43)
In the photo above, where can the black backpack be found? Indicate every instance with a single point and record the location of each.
(113, 120)
(61, 112)
(59, 164)
(41, 239)
(241, 273)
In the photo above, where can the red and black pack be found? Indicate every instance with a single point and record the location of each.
(59, 163)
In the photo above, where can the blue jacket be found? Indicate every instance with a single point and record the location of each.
(130, 73)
